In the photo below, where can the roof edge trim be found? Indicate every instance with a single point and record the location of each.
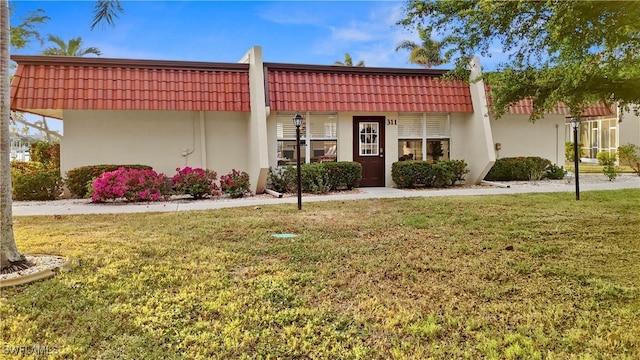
(131, 63)
(353, 69)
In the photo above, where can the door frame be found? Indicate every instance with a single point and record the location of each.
(374, 165)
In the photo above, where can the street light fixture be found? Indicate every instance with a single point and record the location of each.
(576, 154)
(297, 121)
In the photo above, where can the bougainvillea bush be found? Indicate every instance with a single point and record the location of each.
(79, 180)
(235, 184)
(130, 184)
(196, 182)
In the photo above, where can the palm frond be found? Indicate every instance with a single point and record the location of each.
(107, 11)
(406, 45)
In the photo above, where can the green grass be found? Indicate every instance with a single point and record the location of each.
(378, 279)
(596, 169)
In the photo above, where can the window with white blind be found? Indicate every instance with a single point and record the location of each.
(410, 126)
(437, 126)
(318, 135)
(420, 134)
(323, 135)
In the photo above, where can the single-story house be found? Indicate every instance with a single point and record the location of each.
(220, 116)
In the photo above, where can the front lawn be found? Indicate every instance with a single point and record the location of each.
(597, 169)
(505, 277)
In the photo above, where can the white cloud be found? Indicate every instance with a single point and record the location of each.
(287, 13)
(372, 38)
(352, 34)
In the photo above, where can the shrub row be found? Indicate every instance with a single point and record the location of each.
(34, 181)
(38, 179)
(409, 174)
(147, 185)
(524, 169)
(79, 180)
(316, 177)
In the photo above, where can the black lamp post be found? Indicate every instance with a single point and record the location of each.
(297, 121)
(576, 154)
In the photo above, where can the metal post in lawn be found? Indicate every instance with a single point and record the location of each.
(576, 156)
(297, 121)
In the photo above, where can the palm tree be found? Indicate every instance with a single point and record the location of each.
(427, 54)
(349, 62)
(10, 257)
(71, 48)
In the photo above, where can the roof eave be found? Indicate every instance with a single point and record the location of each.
(50, 113)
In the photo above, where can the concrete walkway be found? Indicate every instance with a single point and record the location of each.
(83, 206)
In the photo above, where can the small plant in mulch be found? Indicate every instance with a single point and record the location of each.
(608, 162)
(629, 155)
(198, 183)
(235, 184)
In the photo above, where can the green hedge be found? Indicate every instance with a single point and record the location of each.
(316, 177)
(409, 174)
(34, 181)
(80, 178)
(343, 174)
(523, 169)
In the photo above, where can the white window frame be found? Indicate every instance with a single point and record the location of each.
(306, 130)
(444, 134)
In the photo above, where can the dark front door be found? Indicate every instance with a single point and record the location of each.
(368, 148)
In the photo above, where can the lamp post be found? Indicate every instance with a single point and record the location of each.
(576, 154)
(297, 121)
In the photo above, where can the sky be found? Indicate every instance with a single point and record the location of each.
(301, 32)
(306, 32)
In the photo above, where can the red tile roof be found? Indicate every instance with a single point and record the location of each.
(525, 107)
(46, 84)
(331, 88)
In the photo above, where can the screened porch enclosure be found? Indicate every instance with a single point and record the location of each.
(595, 136)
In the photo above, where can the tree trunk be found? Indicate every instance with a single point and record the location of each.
(9, 254)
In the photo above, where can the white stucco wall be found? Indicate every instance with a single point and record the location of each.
(518, 136)
(629, 129)
(227, 142)
(471, 137)
(345, 136)
(257, 145)
(458, 144)
(155, 138)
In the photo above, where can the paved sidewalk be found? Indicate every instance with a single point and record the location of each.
(82, 206)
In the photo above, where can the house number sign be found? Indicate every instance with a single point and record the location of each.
(392, 122)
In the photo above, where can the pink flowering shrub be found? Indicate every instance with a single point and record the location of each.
(131, 184)
(195, 182)
(235, 183)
